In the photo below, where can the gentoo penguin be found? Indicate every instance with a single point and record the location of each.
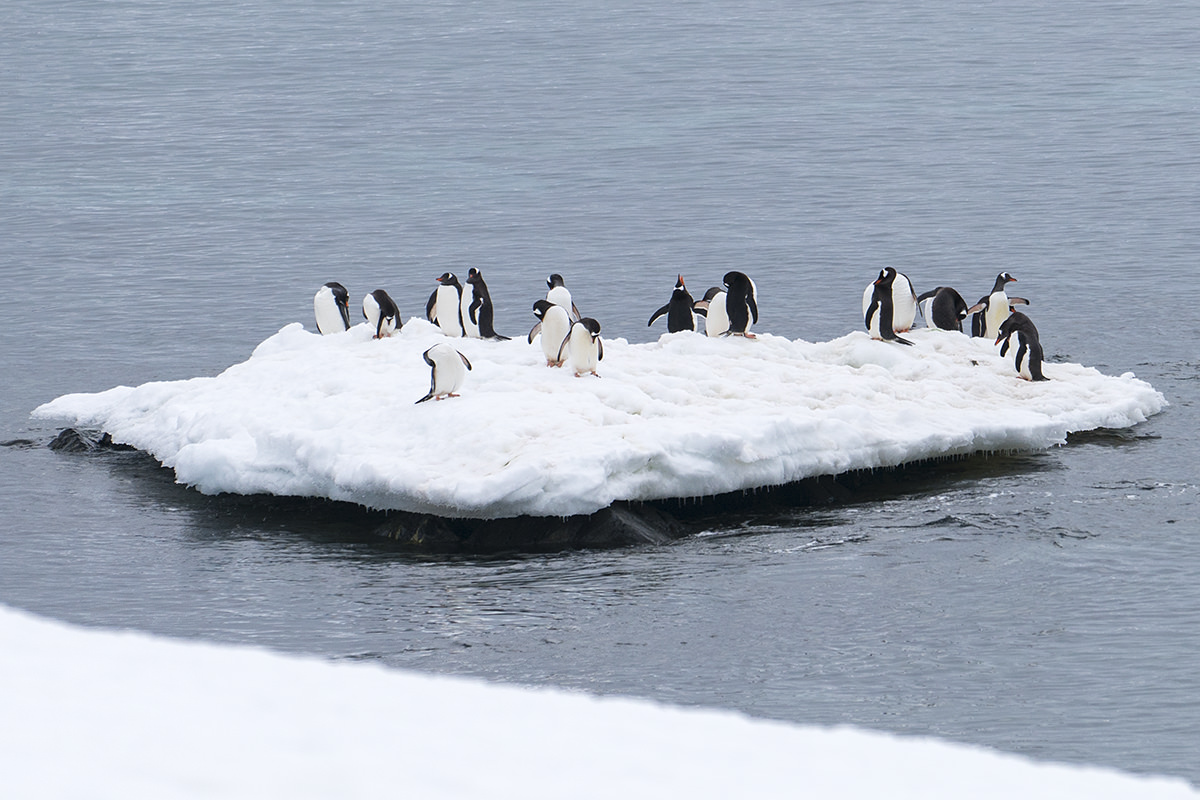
(1029, 346)
(943, 308)
(879, 312)
(476, 308)
(681, 315)
(904, 301)
(561, 296)
(553, 324)
(381, 313)
(447, 371)
(331, 304)
(741, 303)
(992, 310)
(712, 308)
(583, 346)
(444, 308)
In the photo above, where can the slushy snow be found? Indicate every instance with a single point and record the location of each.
(685, 416)
(102, 714)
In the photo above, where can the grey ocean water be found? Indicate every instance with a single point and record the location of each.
(178, 178)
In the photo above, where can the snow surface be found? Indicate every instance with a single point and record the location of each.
(101, 714)
(686, 416)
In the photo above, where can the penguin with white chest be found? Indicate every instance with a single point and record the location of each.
(903, 300)
(444, 308)
(943, 308)
(741, 304)
(712, 308)
(447, 371)
(583, 347)
(993, 309)
(879, 312)
(331, 306)
(1029, 355)
(381, 314)
(553, 325)
(560, 295)
(476, 308)
(680, 310)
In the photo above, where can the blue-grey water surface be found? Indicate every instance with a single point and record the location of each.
(179, 178)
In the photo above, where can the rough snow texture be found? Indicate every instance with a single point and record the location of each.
(686, 416)
(99, 714)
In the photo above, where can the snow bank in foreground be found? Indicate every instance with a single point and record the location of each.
(100, 714)
(685, 416)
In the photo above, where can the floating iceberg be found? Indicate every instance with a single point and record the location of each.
(685, 416)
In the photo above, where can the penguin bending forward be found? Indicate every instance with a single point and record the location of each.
(741, 304)
(680, 310)
(560, 295)
(331, 306)
(712, 308)
(444, 308)
(583, 347)
(381, 313)
(943, 308)
(904, 301)
(476, 308)
(553, 324)
(879, 312)
(447, 371)
(1029, 347)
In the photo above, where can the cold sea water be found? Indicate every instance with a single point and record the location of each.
(179, 178)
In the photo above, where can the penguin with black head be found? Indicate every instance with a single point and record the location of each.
(331, 306)
(994, 308)
(712, 308)
(904, 301)
(680, 310)
(1029, 355)
(444, 308)
(943, 308)
(880, 310)
(381, 314)
(476, 308)
(553, 325)
(560, 295)
(583, 347)
(741, 304)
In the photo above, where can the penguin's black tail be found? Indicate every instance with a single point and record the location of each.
(423, 399)
(498, 338)
(902, 340)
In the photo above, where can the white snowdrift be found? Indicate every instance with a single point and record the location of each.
(686, 416)
(119, 715)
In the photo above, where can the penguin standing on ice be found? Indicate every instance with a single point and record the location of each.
(712, 308)
(1029, 347)
(560, 295)
(741, 304)
(381, 313)
(476, 308)
(943, 308)
(680, 310)
(553, 324)
(444, 308)
(331, 305)
(447, 371)
(583, 347)
(993, 309)
(904, 301)
(880, 310)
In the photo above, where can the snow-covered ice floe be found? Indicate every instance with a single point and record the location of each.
(686, 416)
(92, 713)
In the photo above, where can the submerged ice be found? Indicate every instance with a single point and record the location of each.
(685, 416)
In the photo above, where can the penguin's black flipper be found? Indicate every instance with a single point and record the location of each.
(1018, 301)
(600, 348)
(563, 346)
(658, 314)
(473, 310)
(750, 301)
(871, 309)
(700, 307)
(575, 311)
(928, 294)
(465, 361)
(429, 315)
(534, 331)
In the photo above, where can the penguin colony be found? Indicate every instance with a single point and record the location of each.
(889, 307)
